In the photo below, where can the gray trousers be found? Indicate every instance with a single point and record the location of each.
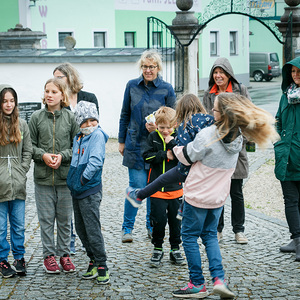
(54, 203)
(88, 227)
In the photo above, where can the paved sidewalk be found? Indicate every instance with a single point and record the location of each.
(255, 271)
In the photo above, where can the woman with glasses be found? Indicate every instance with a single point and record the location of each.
(142, 97)
(222, 79)
(70, 76)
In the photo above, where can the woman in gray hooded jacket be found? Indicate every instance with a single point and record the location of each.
(222, 79)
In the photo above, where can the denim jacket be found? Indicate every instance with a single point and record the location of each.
(139, 101)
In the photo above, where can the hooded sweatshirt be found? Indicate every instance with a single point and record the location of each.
(242, 167)
(287, 156)
(213, 163)
(15, 163)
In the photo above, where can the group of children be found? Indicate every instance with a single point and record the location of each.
(68, 151)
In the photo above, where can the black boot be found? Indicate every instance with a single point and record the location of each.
(289, 247)
(297, 244)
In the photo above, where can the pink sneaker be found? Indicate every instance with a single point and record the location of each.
(67, 264)
(50, 265)
(220, 288)
(192, 291)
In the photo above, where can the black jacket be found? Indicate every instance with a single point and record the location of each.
(156, 155)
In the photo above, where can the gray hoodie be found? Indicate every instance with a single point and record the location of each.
(242, 167)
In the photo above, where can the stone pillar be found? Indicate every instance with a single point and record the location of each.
(21, 38)
(283, 24)
(184, 25)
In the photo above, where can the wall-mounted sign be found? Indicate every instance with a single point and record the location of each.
(262, 4)
(26, 109)
(153, 5)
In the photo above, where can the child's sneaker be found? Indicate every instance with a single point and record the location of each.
(67, 264)
(6, 270)
(91, 272)
(20, 267)
(50, 265)
(220, 288)
(103, 276)
(191, 291)
(156, 258)
(176, 257)
(131, 196)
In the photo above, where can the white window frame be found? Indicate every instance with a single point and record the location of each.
(236, 33)
(105, 37)
(160, 39)
(134, 39)
(217, 41)
(63, 30)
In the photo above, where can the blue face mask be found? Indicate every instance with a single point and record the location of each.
(88, 130)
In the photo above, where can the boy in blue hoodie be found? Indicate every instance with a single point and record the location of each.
(84, 181)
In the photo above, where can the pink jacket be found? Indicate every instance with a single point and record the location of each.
(213, 163)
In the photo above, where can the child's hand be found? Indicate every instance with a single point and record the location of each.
(150, 127)
(170, 155)
(168, 138)
(49, 159)
(56, 161)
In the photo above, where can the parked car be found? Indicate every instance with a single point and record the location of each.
(264, 65)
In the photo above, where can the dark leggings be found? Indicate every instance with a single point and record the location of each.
(171, 176)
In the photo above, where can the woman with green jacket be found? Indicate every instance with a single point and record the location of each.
(287, 151)
(15, 157)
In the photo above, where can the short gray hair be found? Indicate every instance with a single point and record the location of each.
(152, 55)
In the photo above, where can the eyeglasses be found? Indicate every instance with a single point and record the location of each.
(215, 110)
(151, 68)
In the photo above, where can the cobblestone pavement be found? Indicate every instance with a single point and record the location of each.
(254, 271)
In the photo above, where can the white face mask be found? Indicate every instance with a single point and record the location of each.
(88, 130)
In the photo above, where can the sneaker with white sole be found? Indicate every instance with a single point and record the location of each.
(91, 272)
(176, 257)
(102, 275)
(191, 291)
(127, 235)
(220, 288)
(156, 258)
(50, 265)
(241, 238)
(20, 266)
(131, 196)
(67, 264)
(6, 270)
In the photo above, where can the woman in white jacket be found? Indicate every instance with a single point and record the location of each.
(213, 156)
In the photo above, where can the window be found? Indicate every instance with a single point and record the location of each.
(129, 39)
(156, 39)
(61, 38)
(233, 42)
(214, 35)
(99, 39)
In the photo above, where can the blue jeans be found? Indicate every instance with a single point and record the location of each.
(15, 210)
(200, 222)
(137, 179)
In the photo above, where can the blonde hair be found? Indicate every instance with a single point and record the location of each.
(164, 115)
(62, 86)
(187, 106)
(73, 78)
(238, 112)
(152, 55)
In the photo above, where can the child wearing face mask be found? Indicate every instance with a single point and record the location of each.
(84, 181)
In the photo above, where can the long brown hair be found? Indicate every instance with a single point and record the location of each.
(238, 112)
(9, 127)
(187, 106)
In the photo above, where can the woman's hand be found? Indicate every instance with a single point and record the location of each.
(150, 127)
(170, 155)
(168, 138)
(121, 148)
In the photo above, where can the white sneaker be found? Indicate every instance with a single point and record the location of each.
(241, 238)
